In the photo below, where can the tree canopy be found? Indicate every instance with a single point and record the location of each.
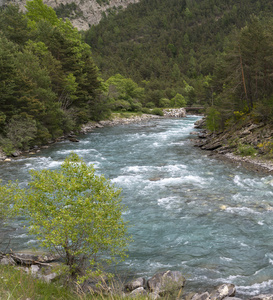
(48, 76)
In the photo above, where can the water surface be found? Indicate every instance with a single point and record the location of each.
(190, 212)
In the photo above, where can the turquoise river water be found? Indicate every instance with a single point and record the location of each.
(209, 219)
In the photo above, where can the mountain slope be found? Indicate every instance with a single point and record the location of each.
(81, 13)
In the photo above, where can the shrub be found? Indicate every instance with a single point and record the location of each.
(247, 150)
(150, 105)
(164, 102)
(157, 111)
(77, 214)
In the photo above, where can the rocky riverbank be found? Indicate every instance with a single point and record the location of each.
(249, 144)
(163, 285)
(90, 126)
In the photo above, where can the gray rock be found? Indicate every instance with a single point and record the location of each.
(48, 278)
(232, 298)
(138, 291)
(7, 260)
(134, 284)
(153, 296)
(16, 153)
(74, 140)
(263, 297)
(222, 291)
(166, 282)
(34, 269)
(203, 296)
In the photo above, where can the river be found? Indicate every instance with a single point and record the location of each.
(188, 211)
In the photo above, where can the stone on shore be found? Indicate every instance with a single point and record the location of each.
(222, 291)
(166, 282)
(262, 297)
(203, 296)
(134, 284)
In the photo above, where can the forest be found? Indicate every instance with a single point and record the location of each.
(155, 54)
(214, 53)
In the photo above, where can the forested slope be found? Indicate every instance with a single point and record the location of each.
(185, 47)
(48, 81)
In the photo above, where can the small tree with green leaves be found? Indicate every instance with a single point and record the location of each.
(76, 214)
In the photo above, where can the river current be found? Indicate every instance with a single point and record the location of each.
(211, 220)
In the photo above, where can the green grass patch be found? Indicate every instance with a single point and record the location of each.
(16, 284)
(247, 150)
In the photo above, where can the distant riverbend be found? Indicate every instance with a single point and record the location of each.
(211, 220)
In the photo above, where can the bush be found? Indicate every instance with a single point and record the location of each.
(146, 110)
(247, 150)
(157, 111)
(164, 102)
(77, 214)
(150, 105)
(178, 101)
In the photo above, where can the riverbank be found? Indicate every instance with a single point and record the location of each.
(246, 143)
(114, 120)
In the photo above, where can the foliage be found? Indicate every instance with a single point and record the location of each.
(21, 130)
(47, 75)
(178, 101)
(8, 196)
(157, 111)
(167, 43)
(213, 118)
(123, 93)
(77, 214)
(247, 150)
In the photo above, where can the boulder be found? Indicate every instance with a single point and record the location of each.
(263, 297)
(203, 296)
(200, 123)
(16, 153)
(134, 284)
(138, 291)
(166, 282)
(175, 112)
(74, 140)
(7, 260)
(34, 269)
(222, 291)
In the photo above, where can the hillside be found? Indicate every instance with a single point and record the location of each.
(81, 13)
(172, 45)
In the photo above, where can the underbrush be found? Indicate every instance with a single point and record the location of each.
(247, 150)
(16, 284)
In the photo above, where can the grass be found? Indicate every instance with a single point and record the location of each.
(15, 284)
(247, 150)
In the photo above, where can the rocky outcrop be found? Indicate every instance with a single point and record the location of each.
(175, 112)
(249, 143)
(84, 13)
(117, 121)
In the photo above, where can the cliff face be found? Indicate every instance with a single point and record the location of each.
(82, 13)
